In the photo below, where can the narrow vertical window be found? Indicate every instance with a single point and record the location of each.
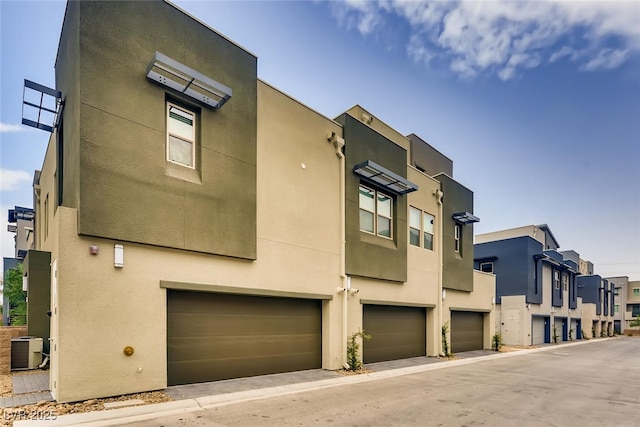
(415, 227)
(556, 279)
(427, 231)
(367, 209)
(181, 136)
(385, 216)
(46, 216)
(456, 237)
(376, 212)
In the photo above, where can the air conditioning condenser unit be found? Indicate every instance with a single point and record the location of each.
(26, 353)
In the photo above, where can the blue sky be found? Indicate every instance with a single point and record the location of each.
(537, 103)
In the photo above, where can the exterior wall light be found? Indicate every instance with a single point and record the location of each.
(118, 256)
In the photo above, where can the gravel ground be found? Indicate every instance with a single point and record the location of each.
(6, 389)
(49, 410)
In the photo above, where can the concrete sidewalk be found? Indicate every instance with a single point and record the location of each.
(28, 389)
(222, 393)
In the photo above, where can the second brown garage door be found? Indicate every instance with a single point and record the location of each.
(396, 332)
(213, 336)
(466, 331)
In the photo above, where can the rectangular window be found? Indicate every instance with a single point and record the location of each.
(181, 136)
(635, 310)
(420, 228)
(415, 226)
(427, 232)
(556, 279)
(617, 308)
(565, 281)
(46, 216)
(456, 238)
(636, 292)
(487, 267)
(376, 212)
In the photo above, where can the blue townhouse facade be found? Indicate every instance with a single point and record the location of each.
(541, 297)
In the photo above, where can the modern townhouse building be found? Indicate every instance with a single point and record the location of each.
(620, 318)
(203, 225)
(598, 298)
(632, 303)
(20, 223)
(537, 288)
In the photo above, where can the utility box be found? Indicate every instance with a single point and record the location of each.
(26, 353)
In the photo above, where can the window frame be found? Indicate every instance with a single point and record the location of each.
(421, 230)
(556, 279)
(169, 134)
(376, 213)
(636, 292)
(457, 233)
(565, 281)
(486, 263)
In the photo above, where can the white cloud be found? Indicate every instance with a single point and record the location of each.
(607, 59)
(4, 127)
(13, 180)
(506, 36)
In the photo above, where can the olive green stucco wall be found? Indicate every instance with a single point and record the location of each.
(126, 188)
(457, 267)
(426, 158)
(368, 255)
(68, 82)
(37, 267)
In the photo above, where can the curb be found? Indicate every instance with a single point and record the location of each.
(121, 416)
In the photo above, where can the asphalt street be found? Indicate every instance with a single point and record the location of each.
(596, 384)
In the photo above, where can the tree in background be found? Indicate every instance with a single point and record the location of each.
(17, 297)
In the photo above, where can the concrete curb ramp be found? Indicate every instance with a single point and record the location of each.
(148, 412)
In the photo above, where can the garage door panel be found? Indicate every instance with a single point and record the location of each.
(467, 331)
(217, 336)
(396, 332)
(538, 333)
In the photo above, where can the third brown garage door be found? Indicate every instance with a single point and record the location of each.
(466, 331)
(212, 336)
(396, 332)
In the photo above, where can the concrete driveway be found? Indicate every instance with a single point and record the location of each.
(595, 384)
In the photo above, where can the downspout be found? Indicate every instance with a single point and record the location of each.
(338, 143)
(438, 195)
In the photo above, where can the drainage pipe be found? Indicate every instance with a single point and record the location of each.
(338, 143)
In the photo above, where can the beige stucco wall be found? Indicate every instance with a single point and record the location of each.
(515, 325)
(527, 230)
(482, 299)
(515, 320)
(421, 288)
(102, 309)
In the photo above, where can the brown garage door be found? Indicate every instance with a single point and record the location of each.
(214, 336)
(466, 331)
(396, 332)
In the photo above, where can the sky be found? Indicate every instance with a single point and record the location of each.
(537, 103)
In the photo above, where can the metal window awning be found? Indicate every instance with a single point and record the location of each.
(177, 76)
(465, 218)
(40, 106)
(373, 172)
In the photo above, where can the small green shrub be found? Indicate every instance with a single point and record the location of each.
(555, 335)
(445, 340)
(353, 350)
(584, 337)
(497, 341)
(570, 334)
